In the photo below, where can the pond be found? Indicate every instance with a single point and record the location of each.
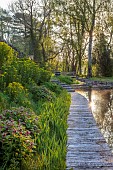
(101, 102)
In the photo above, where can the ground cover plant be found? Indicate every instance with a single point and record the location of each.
(33, 118)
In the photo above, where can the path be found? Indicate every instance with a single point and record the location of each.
(86, 147)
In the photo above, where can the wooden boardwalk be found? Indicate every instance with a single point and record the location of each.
(86, 147)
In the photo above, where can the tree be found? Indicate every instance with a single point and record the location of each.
(5, 24)
(63, 31)
(95, 9)
(26, 17)
(36, 28)
(101, 56)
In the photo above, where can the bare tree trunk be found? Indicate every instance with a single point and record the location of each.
(80, 63)
(90, 55)
(91, 40)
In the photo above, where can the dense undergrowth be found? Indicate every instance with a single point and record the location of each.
(33, 118)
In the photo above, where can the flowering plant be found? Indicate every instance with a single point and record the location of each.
(18, 130)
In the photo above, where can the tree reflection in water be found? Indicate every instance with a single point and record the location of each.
(101, 102)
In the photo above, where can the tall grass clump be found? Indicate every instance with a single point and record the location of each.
(52, 138)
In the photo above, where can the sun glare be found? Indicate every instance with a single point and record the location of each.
(92, 103)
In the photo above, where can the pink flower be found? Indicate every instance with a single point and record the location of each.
(14, 131)
(27, 133)
(4, 134)
(1, 117)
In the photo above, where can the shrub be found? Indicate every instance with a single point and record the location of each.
(6, 54)
(41, 93)
(44, 76)
(10, 74)
(53, 87)
(65, 79)
(28, 70)
(14, 89)
(18, 127)
(18, 94)
(23, 71)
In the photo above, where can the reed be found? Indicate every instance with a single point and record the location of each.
(53, 138)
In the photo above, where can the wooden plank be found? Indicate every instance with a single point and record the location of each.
(86, 146)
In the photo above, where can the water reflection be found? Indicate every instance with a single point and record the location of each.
(101, 102)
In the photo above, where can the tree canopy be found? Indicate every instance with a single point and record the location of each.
(59, 34)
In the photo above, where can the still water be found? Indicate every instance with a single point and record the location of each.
(101, 102)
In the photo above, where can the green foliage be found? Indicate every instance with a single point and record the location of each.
(19, 128)
(4, 101)
(23, 71)
(10, 74)
(54, 87)
(51, 142)
(6, 54)
(101, 58)
(14, 89)
(32, 140)
(44, 76)
(65, 79)
(52, 138)
(41, 93)
(18, 94)
(76, 81)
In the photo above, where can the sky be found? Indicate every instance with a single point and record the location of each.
(4, 3)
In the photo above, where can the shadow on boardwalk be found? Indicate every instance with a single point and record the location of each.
(86, 147)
